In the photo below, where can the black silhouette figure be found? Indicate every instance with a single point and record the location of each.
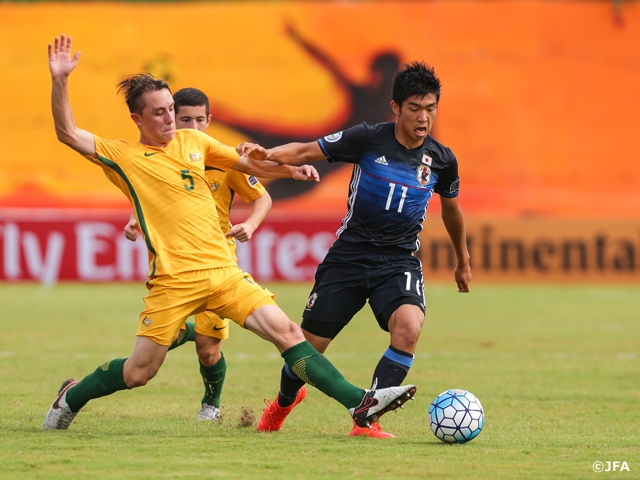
(368, 102)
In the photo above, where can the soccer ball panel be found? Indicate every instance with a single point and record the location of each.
(462, 419)
(450, 411)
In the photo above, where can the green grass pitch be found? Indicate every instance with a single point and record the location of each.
(556, 368)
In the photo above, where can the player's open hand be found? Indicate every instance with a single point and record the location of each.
(60, 62)
(252, 150)
(306, 173)
(131, 230)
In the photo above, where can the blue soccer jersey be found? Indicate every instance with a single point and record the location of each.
(390, 185)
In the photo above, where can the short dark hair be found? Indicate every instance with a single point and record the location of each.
(190, 97)
(415, 78)
(135, 85)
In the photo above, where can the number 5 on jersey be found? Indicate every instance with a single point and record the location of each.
(186, 176)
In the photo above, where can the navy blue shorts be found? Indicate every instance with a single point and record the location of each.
(352, 274)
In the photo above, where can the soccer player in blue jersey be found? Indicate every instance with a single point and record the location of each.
(396, 168)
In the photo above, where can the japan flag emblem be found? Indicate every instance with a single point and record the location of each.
(423, 175)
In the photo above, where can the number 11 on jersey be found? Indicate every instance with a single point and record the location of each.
(392, 187)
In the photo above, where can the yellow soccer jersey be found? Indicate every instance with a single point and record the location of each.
(225, 184)
(171, 197)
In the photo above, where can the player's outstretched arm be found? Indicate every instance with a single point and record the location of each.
(259, 210)
(296, 153)
(61, 64)
(289, 154)
(454, 223)
(268, 169)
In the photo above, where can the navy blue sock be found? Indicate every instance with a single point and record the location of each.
(392, 368)
(290, 383)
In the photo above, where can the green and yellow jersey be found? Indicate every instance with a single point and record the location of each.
(172, 198)
(225, 184)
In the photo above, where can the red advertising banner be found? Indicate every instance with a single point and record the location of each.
(53, 245)
(88, 245)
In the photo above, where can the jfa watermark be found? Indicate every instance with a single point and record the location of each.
(608, 466)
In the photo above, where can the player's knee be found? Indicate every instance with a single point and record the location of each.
(290, 334)
(208, 349)
(136, 382)
(406, 334)
(413, 335)
(209, 356)
(294, 331)
(138, 377)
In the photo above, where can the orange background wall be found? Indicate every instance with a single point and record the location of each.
(540, 99)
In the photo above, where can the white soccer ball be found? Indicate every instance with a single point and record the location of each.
(456, 416)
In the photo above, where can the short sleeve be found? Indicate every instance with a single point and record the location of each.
(111, 150)
(448, 183)
(347, 145)
(247, 186)
(217, 154)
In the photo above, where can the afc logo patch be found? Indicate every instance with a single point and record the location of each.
(423, 174)
(312, 300)
(146, 321)
(334, 137)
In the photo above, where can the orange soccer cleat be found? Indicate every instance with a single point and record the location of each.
(274, 415)
(374, 432)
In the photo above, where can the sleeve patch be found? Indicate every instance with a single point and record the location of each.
(334, 137)
(455, 186)
(253, 181)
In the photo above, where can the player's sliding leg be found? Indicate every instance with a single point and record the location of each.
(292, 392)
(405, 324)
(271, 323)
(108, 378)
(365, 406)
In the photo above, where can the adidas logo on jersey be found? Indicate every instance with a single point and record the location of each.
(381, 160)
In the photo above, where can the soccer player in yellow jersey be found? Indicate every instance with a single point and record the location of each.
(192, 111)
(191, 269)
